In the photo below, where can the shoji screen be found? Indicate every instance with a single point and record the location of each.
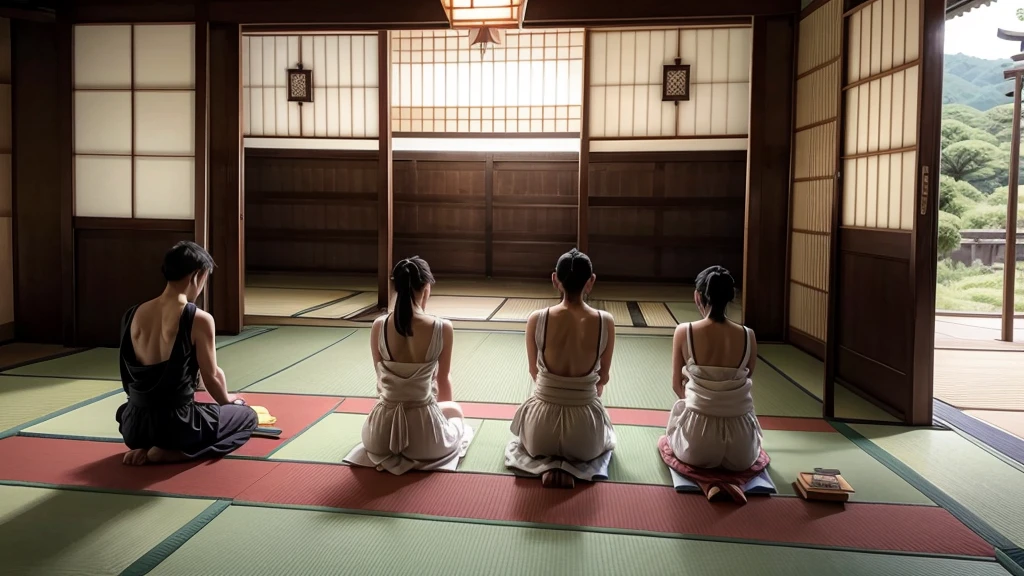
(626, 83)
(345, 86)
(880, 151)
(530, 83)
(814, 170)
(134, 121)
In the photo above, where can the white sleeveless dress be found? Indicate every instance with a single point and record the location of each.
(715, 425)
(563, 419)
(406, 430)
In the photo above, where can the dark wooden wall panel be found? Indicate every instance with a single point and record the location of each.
(771, 133)
(106, 287)
(37, 185)
(311, 210)
(666, 216)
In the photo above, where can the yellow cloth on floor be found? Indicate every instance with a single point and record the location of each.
(264, 415)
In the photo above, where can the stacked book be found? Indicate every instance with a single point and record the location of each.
(822, 484)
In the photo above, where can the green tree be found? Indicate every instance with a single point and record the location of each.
(957, 197)
(954, 131)
(965, 114)
(999, 122)
(949, 234)
(970, 160)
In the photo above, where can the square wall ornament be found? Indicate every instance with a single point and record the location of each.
(676, 83)
(300, 85)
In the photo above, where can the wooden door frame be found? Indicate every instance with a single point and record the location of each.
(923, 254)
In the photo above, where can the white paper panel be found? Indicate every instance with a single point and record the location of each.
(103, 186)
(165, 188)
(598, 58)
(613, 58)
(913, 29)
(719, 108)
(720, 55)
(876, 37)
(884, 185)
(165, 123)
(849, 192)
(703, 69)
(103, 122)
(738, 115)
(871, 211)
(627, 61)
(703, 94)
(669, 145)
(739, 55)
(895, 189)
(103, 56)
(887, 22)
(899, 32)
(642, 68)
(853, 48)
(863, 118)
(885, 114)
(310, 144)
(164, 56)
(862, 192)
(910, 93)
(898, 112)
(874, 113)
(852, 106)
(597, 106)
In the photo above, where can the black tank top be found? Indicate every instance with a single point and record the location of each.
(169, 384)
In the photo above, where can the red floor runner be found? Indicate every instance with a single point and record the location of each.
(294, 414)
(98, 464)
(920, 529)
(619, 416)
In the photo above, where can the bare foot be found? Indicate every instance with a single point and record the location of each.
(161, 456)
(135, 457)
(557, 479)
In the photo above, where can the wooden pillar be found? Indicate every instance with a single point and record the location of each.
(1010, 266)
(202, 103)
(768, 176)
(385, 199)
(226, 228)
(583, 190)
(65, 168)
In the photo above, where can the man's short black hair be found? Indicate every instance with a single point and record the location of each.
(185, 259)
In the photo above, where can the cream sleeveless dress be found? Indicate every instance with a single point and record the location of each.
(406, 430)
(714, 425)
(563, 419)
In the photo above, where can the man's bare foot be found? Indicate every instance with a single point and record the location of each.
(135, 457)
(161, 456)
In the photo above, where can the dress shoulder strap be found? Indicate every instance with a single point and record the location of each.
(689, 343)
(746, 348)
(436, 341)
(188, 316)
(382, 339)
(540, 335)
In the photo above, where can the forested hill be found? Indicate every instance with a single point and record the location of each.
(973, 81)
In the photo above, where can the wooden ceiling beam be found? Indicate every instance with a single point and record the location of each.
(576, 13)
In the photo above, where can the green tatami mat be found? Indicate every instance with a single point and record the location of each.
(251, 541)
(796, 452)
(246, 333)
(636, 459)
(487, 452)
(344, 308)
(329, 440)
(95, 420)
(95, 364)
(776, 396)
(254, 359)
(24, 399)
(687, 311)
(805, 369)
(981, 482)
(346, 368)
(641, 373)
(809, 373)
(495, 369)
(84, 533)
(102, 363)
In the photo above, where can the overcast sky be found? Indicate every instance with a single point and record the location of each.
(974, 33)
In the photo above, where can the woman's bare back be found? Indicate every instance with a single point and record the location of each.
(154, 330)
(410, 350)
(721, 344)
(571, 340)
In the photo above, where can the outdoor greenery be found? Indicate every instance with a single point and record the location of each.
(977, 120)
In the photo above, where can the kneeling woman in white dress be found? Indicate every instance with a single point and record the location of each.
(713, 425)
(415, 424)
(563, 427)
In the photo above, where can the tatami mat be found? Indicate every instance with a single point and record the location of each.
(519, 309)
(285, 301)
(254, 359)
(95, 364)
(84, 533)
(24, 399)
(657, 314)
(328, 441)
(293, 280)
(17, 353)
(618, 310)
(238, 543)
(246, 333)
(686, 311)
(94, 420)
(1012, 422)
(980, 379)
(346, 307)
(809, 373)
(463, 307)
(984, 484)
